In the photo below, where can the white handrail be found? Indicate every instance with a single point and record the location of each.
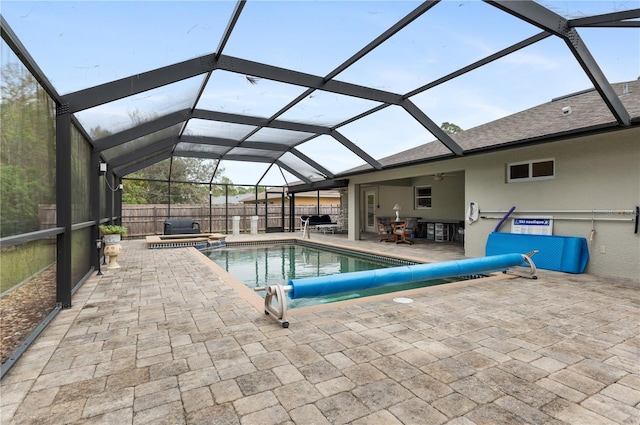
(611, 212)
(305, 229)
(488, 217)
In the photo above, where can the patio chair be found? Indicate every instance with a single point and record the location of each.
(384, 229)
(404, 232)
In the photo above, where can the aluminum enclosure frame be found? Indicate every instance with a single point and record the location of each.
(551, 23)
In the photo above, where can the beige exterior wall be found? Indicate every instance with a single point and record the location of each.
(447, 198)
(594, 173)
(313, 200)
(600, 172)
(300, 200)
(397, 186)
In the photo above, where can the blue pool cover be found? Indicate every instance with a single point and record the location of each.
(356, 281)
(559, 253)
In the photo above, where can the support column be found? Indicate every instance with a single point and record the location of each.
(354, 212)
(292, 212)
(117, 201)
(282, 210)
(226, 208)
(210, 208)
(94, 182)
(63, 205)
(109, 195)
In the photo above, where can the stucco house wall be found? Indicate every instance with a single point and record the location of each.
(599, 172)
(593, 193)
(397, 186)
(447, 198)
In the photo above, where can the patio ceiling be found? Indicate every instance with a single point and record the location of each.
(303, 91)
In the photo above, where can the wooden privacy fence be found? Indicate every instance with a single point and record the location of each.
(148, 219)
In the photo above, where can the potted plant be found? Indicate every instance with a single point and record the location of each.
(112, 233)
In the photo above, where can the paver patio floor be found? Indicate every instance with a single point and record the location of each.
(164, 340)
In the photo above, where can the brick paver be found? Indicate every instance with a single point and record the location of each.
(164, 340)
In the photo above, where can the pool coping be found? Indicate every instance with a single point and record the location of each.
(184, 240)
(258, 302)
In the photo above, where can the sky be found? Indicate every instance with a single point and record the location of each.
(82, 44)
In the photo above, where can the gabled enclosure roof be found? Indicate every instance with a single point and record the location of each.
(303, 91)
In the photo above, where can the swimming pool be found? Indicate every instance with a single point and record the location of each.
(269, 264)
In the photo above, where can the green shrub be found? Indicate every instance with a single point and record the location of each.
(112, 229)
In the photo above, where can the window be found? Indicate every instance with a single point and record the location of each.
(423, 197)
(531, 170)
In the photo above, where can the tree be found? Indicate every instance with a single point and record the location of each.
(99, 132)
(165, 181)
(451, 128)
(27, 149)
(135, 192)
(233, 190)
(187, 184)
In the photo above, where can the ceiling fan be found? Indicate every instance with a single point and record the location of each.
(440, 176)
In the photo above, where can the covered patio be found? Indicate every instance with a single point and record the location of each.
(167, 340)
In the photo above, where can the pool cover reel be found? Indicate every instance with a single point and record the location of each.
(355, 281)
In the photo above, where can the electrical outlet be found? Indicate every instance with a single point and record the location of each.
(603, 249)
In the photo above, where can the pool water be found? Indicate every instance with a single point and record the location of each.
(262, 265)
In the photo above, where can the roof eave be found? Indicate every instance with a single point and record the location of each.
(555, 137)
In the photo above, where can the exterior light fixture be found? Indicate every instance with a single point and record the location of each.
(99, 247)
(103, 167)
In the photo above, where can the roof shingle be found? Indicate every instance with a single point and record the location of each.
(569, 114)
